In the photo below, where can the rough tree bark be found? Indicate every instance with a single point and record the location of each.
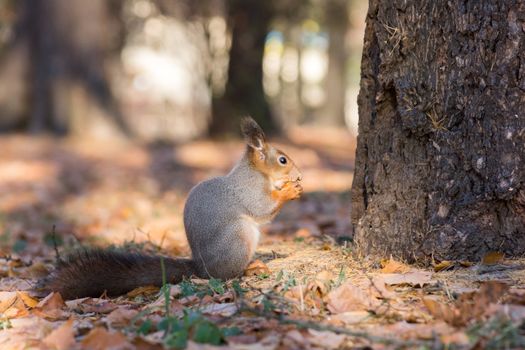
(439, 168)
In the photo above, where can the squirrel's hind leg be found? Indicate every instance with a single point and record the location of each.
(231, 253)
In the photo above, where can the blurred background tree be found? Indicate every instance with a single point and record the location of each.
(164, 70)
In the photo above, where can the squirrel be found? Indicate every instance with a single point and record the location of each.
(222, 216)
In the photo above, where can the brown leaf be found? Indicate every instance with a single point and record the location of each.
(405, 330)
(412, 278)
(350, 317)
(326, 339)
(256, 268)
(458, 338)
(28, 301)
(492, 258)
(392, 266)
(51, 307)
(303, 233)
(16, 309)
(143, 344)
(7, 299)
(321, 283)
(348, 297)
(97, 305)
(61, 338)
(307, 297)
(224, 310)
(100, 339)
(52, 301)
(470, 305)
(441, 311)
(145, 290)
(515, 313)
(120, 317)
(444, 265)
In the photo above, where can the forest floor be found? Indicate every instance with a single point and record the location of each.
(309, 290)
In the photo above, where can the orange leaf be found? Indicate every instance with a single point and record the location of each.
(100, 339)
(145, 290)
(440, 310)
(61, 338)
(492, 258)
(51, 307)
(256, 268)
(30, 302)
(349, 297)
(392, 266)
(121, 317)
(413, 278)
(444, 265)
(7, 299)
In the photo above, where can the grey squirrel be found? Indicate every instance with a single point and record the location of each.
(221, 218)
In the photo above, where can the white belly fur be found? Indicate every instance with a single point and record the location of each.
(252, 234)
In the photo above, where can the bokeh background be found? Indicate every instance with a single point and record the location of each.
(177, 70)
(111, 110)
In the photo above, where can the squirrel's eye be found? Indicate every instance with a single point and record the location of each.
(282, 160)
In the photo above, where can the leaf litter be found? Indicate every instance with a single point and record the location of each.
(306, 288)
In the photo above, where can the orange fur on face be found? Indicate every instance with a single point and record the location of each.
(266, 161)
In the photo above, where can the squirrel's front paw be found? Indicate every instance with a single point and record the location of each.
(292, 190)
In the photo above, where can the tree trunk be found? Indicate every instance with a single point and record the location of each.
(244, 93)
(440, 154)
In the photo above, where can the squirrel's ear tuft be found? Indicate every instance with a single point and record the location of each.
(253, 134)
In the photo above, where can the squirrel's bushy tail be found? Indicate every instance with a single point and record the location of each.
(90, 273)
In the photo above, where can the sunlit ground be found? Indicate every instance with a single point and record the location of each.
(111, 192)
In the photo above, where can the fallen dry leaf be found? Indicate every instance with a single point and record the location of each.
(444, 265)
(405, 330)
(101, 339)
(7, 299)
(61, 338)
(392, 266)
(469, 305)
(349, 297)
(303, 233)
(51, 307)
(440, 310)
(97, 305)
(326, 339)
(321, 283)
(413, 278)
(349, 317)
(16, 309)
(515, 313)
(145, 290)
(256, 268)
(457, 338)
(492, 258)
(305, 298)
(143, 344)
(120, 317)
(224, 310)
(28, 301)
